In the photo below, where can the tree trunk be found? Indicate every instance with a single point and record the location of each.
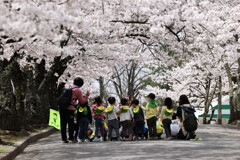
(131, 79)
(206, 109)
(211, 117)
(117, 82)
(209, 98)
(128, 80)
(20, 86)
(238, 90)
(12, 115)
(233, 113)
(101, 85)
(220, 101)
(7, 99)
(27, 96)
(47, 92)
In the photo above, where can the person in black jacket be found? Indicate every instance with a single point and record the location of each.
(138, 119)
(184, 105)
(84, 117)
(183, 100)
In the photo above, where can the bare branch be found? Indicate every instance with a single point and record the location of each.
(175, 33)
(130, 22)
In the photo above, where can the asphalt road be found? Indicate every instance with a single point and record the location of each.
(218, 143)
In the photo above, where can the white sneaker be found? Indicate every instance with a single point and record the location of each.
(95, 139)
(80, 141)
(86, 140)
(101, 139)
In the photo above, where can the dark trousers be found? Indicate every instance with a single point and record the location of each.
(67, 118)
(152, 129)
(83, 128)
(166, 125)
(139, 127)
(76, 129)
(127, 127)
(113, 124)
(98, 125)
(180, 135)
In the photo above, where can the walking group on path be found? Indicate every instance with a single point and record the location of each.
(125, 121)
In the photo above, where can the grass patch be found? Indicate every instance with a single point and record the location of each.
(3, 148)
(9, 138)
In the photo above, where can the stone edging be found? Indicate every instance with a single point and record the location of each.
(14, 150)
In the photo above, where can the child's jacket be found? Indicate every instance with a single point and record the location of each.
(151, 109)
(112, 114)
(95, 115)
(138, 114)
(126, 115)
(165, 113)
(88, 115)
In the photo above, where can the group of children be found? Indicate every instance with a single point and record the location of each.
(129, 115)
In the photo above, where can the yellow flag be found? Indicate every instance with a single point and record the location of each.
(54, 119)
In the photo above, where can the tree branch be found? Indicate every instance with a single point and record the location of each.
(130, 22)
(175, 33)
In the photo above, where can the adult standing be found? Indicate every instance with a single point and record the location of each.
(67, 115)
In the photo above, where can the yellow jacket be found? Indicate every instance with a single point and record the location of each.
(150, 112)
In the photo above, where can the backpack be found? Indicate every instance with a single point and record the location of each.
(190, 122)
(65, 98)
(83, 110)
(175, 128)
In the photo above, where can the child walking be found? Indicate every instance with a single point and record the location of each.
(138, 119)
(166, 117)
(112, 118)
(98, 109)
(84, 117)
(151, 113)
(126, 117)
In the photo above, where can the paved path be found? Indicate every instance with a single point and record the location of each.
(218, 143)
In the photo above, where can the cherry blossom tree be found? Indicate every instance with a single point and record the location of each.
(44, 45)
(209, 41)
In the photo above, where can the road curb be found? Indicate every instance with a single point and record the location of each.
(13, 151)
